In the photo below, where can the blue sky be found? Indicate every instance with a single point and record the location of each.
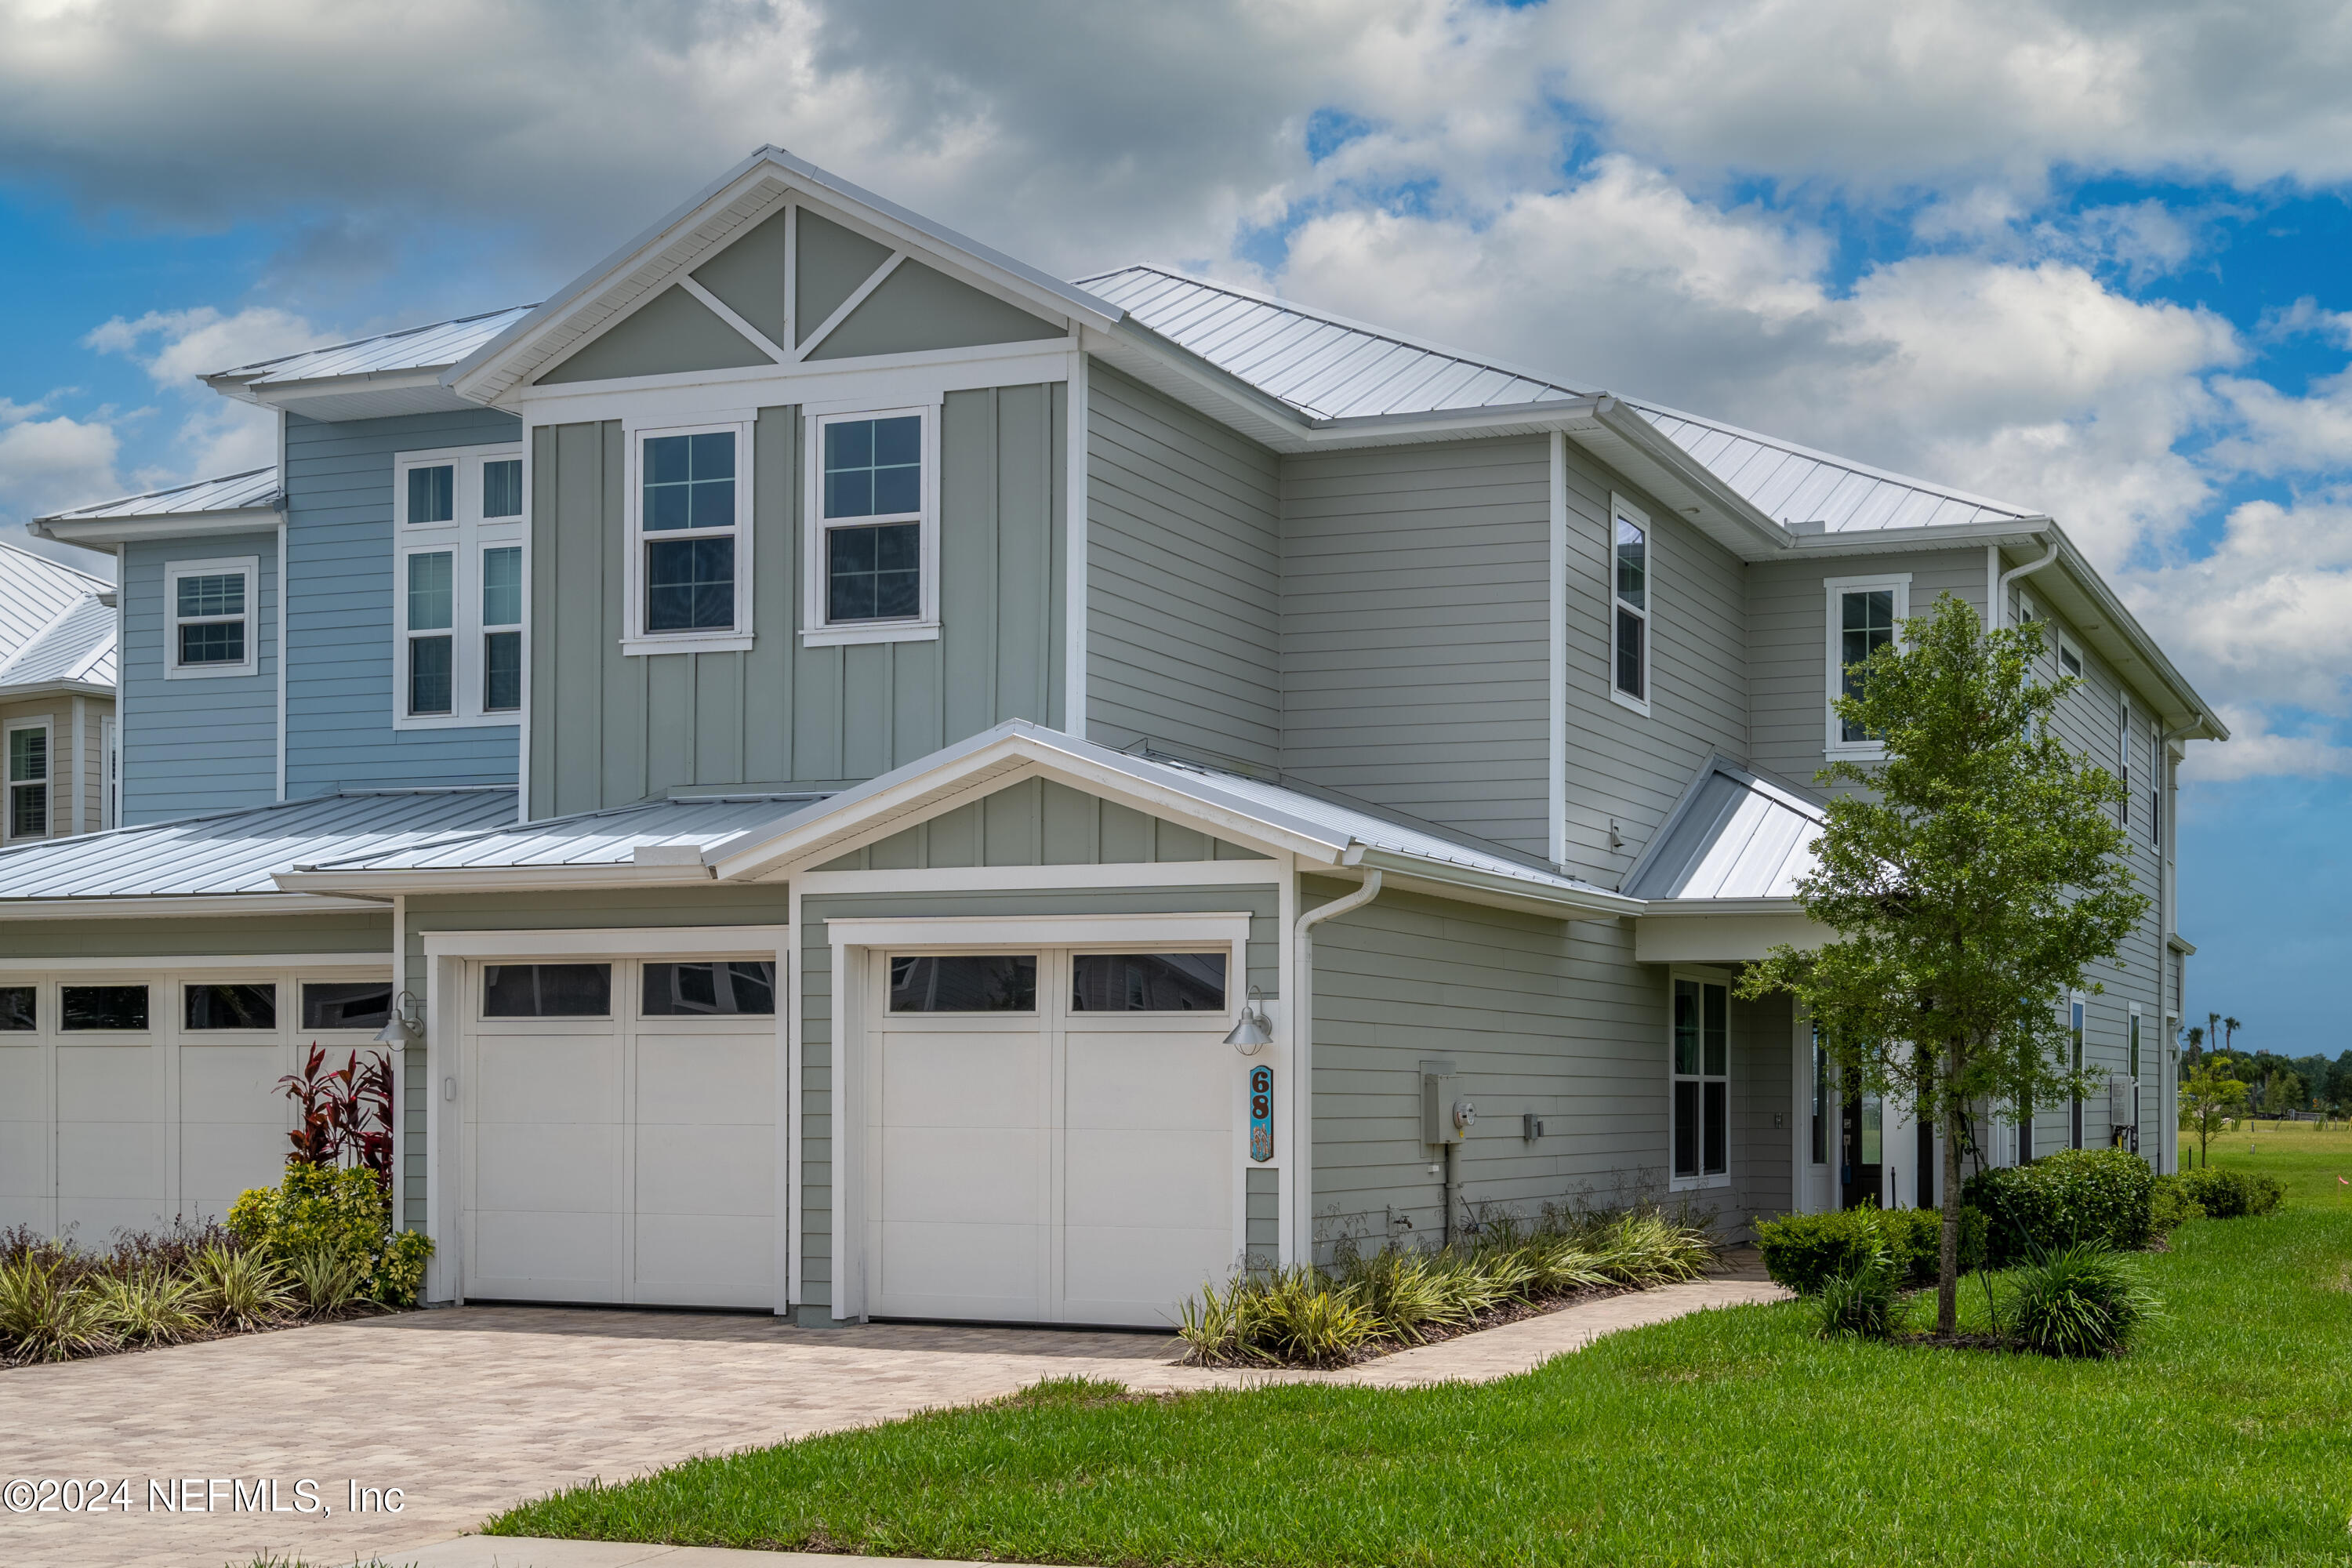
(2081, 257)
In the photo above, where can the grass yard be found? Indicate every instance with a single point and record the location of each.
(2299, 1153)
(1728, 1437)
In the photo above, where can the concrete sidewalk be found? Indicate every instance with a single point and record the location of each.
(517, 1552)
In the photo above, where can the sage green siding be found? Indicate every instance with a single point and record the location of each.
(834, 262)
(1183, 578)
(1262, 1218)
(362, 934)
(748, 277)
(609, 727)
(1039, 822)
(671, 333)
(918, 308)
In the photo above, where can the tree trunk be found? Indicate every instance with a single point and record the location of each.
(1947, 1250)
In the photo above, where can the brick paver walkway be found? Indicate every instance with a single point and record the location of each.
(468, 1411)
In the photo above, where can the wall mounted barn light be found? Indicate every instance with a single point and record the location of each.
(406, 1025)
(1253, 1031)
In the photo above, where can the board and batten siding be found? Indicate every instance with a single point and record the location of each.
(1625, 767)
(342, 670)
(608, 729)
(1039, 822)
(1183, 570)
(192, 746)
(1415, 641)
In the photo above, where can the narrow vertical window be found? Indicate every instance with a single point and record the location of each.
(458, 587)
(1820, 1098)
(1865, 625)
(690, 514)
(2156, 788)
(2074, 1044)
(1629, 595)
(432, 645)
(2135, 1045)
(1699, 1109)
(870, 575)
(502, 629)
(2123, 763)
(28, 779)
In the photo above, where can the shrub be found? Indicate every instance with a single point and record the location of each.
(2231, 1195)
(326, 1280)
(149, 1306)
(240, 1290)
(341, 1211)
(47, 1313)
(1804, 1251)
(2169, 1206)
(1858, 1302)
(2074, 1194)
(2082, 1299)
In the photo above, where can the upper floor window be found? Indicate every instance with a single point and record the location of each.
(2069, 661)
(2125, 745)
(872, 564)
(1865, 615)
(28, 778)
(690, 568)
(1630, 595)
(210, 609)
(2155, 787)
(458, 587)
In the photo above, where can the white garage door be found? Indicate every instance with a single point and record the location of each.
(1050, 1135)
(129, 1096)
(622, 1132)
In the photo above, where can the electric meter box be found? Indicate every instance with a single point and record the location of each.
(1438, 1122)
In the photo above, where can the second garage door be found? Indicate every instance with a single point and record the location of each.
(1050, 1135)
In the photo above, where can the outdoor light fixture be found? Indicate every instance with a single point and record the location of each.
(406, 1025)
(1253, 1031)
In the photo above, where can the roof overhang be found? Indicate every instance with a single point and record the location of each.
(32, 689)
(141, 907)
(103, 532)
(362, 882)
(376, 395)
(1723, 931)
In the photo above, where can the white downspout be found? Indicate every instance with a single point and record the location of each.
(1999, 616)
(1302, 1027)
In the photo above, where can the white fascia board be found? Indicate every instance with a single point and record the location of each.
(1727, 936)
(139, 907)
(96, 532)
(67, 688)
(486, 879)
(2013, 533)
(1467, 884)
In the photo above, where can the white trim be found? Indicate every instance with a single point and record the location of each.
(109, 771)
(98, 533)
(281, 782)
(624, 941)
(210, 963)
(10, 783)
(141, 906)
(816, 630)
(992, 931)
(522, 733)
(81, 766)
(1620, 508)
(464, 538)
(1833, 589)
(815, 386)
(848, 307)
(635, 639)
(249, 567)
(988, 878)
(1074, 532)
(1556, 726)
(1703, 977)
(726, 312)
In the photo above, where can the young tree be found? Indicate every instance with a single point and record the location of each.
(1972, 880)
(2209, 1095)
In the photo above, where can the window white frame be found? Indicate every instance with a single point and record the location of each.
(246, 566)
(816, 630)
(1835, 589)
(110, 791)
(2068, 652)
(48, 781)
(464, 538)
(1703, 978)
(1621, 509)
(636, 640)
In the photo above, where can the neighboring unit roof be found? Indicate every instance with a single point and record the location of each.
(34, 592)
(77, 647)
(237, 852)
(610, 837)
(435, 346)
(1732, 836)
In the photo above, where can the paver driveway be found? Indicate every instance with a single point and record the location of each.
(467, 1411)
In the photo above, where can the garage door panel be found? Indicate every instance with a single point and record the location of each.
(20, 1076)
(536, 1165)
(706, 1261)
(726, 1079)
(1176, 1179)
(24, 1158)
(1139, 1274)
(963, 1175)
(983, 1078)
(550, 1078)
(547, 1255)
(109, 1083)
(229, 1157)
(963, 1270)
(1145, 1081)
(234, 1083)
(706, 1170)
(103, 1159)
(94, 1220)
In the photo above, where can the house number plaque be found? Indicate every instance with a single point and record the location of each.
(1261, 1113)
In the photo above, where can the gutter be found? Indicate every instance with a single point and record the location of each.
(2000, 589)
(487, 879)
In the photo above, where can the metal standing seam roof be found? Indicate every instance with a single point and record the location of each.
(1733, 836)
(435, 346)
(609, 837)
(239, 851)
(253, 491)
(76, 645)
(34, 592)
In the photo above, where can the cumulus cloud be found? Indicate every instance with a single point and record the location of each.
(215, 435)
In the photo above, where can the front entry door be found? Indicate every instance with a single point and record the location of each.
(1862, 1139)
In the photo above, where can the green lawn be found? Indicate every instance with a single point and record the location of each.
(2299, 1153)
(1731, 1436)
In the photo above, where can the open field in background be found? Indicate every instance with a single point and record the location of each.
(1730, 1437)
(2300, 1153)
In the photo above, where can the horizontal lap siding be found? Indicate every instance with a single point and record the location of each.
(1627, 768)
(204, 745)
(1414, 642)
(338, 681)
(1183, 559)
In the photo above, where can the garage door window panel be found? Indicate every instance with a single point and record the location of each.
(1147, 982)
(965, 983)
(547, 991)
(19, 1010)
(229, 1006)
(103, 1007)
(711, 988)
(347, 1005)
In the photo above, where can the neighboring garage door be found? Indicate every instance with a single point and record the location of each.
(1050, 1135)
(622, 1132)
(129, 1096)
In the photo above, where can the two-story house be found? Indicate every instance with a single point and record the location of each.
(57, 699)
(866, 780)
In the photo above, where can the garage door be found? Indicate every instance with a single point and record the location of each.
(622, 1132)
(1050, 1135)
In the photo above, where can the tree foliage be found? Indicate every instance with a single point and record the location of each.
(1973, 877)
(2213, 1094)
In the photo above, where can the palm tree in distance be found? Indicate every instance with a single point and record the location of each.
(2230, 1040)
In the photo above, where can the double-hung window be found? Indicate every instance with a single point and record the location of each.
(1632, 589)
(1865, 614)
(213, 630)
(872, 566)
(457, 594)
(28, 778)
(689, 569)
(1699, 1110)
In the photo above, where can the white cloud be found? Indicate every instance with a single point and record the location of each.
(215, 434)
(47, 465)
(2255, 751)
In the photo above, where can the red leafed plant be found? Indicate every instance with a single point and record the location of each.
(344, 1114)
